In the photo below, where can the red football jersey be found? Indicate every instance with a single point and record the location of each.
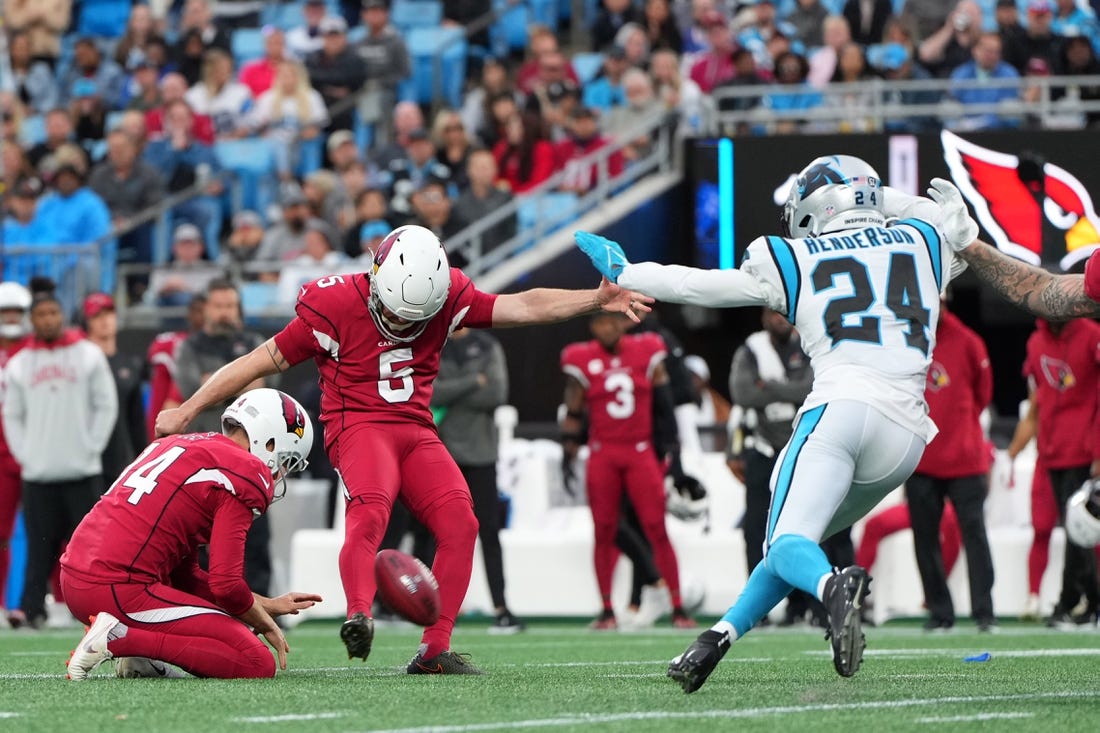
(5, 355)
(365, 377)
(1064, 370)
(161, 358)
(618, 386)
(182, 491)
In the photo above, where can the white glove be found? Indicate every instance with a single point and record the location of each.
(955, 222)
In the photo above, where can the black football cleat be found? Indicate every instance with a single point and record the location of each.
(357, 633)
(843, 599)
(447, 662)
(692, 668)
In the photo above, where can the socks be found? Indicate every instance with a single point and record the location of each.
(800, 562)
(761, 594)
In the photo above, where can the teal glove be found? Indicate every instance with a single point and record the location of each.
(607, 256)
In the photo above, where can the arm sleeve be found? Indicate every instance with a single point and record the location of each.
(104, 401)
(984, 377)
(710, 288)
(232, 520)
(469, 306)
(188, 369)
(190, 578)
(449, 389)
(298, 342)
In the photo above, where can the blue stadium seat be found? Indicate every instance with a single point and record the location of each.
(114, 119)
(509, 32)
(258, 297)
(587, 65)
(248, 44)
(252, 160)
(424, 44)
(105, 18)
(283, 15)
(364, 133)
(544, 12)
(33, 130)
(554, 210)
(310, 155)
(408, 14)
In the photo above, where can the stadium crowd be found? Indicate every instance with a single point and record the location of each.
(102, 122)
(109, 108)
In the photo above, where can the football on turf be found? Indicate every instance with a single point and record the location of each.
(407, 586)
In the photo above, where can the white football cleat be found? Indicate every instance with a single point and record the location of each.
(133, 667)
(92, 650)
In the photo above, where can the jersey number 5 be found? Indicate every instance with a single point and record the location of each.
(903, 297)
(391, 371)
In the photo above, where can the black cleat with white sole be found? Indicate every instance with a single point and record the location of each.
(692, 668)
(843, 599)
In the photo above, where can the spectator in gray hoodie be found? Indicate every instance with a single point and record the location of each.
(60, 406)
(387, 59)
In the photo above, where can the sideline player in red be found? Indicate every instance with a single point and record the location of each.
(376, 338)
(161, 361)
(619, 376)
(131, 564)
(15, 305)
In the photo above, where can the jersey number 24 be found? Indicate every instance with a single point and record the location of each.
(903, 297)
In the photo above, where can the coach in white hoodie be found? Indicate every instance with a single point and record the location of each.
(60, 406)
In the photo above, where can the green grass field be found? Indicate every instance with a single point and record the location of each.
(561, 676)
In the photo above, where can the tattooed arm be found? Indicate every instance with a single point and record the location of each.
(1044, 294)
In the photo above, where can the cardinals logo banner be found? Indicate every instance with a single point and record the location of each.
(1032, 210)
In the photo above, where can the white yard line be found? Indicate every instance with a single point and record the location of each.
(289, 718)
(975, 717)
(957, 651)
(602, 718)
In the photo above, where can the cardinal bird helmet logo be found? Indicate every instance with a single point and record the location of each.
(1012, 195)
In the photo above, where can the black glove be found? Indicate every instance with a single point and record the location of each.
(689, 487)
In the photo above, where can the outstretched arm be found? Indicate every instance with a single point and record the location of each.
(547, 305)
(679, 284)
(230, 380)
(1050, 296)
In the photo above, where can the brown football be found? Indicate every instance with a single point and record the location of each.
(407, 586)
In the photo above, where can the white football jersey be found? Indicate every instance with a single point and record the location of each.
(866, 303)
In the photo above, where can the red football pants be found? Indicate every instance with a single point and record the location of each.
(175, 627)
(380, 462)
(612, 469)
(11, 487)
(1044, 517)
(896, 518)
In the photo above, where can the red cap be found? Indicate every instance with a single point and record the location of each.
(96, 303)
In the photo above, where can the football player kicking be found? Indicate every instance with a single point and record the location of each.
(618, 377)
(131, 566)
(865, 298)
(376, 339)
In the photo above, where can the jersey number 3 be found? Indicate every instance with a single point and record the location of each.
(903, 297)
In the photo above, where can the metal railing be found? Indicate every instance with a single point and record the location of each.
(879, 104)
(469, 243)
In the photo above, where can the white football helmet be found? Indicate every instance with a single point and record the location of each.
(410, 277)
(280, 432)
(14, 296)
(1083, 515)
(833, 193)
